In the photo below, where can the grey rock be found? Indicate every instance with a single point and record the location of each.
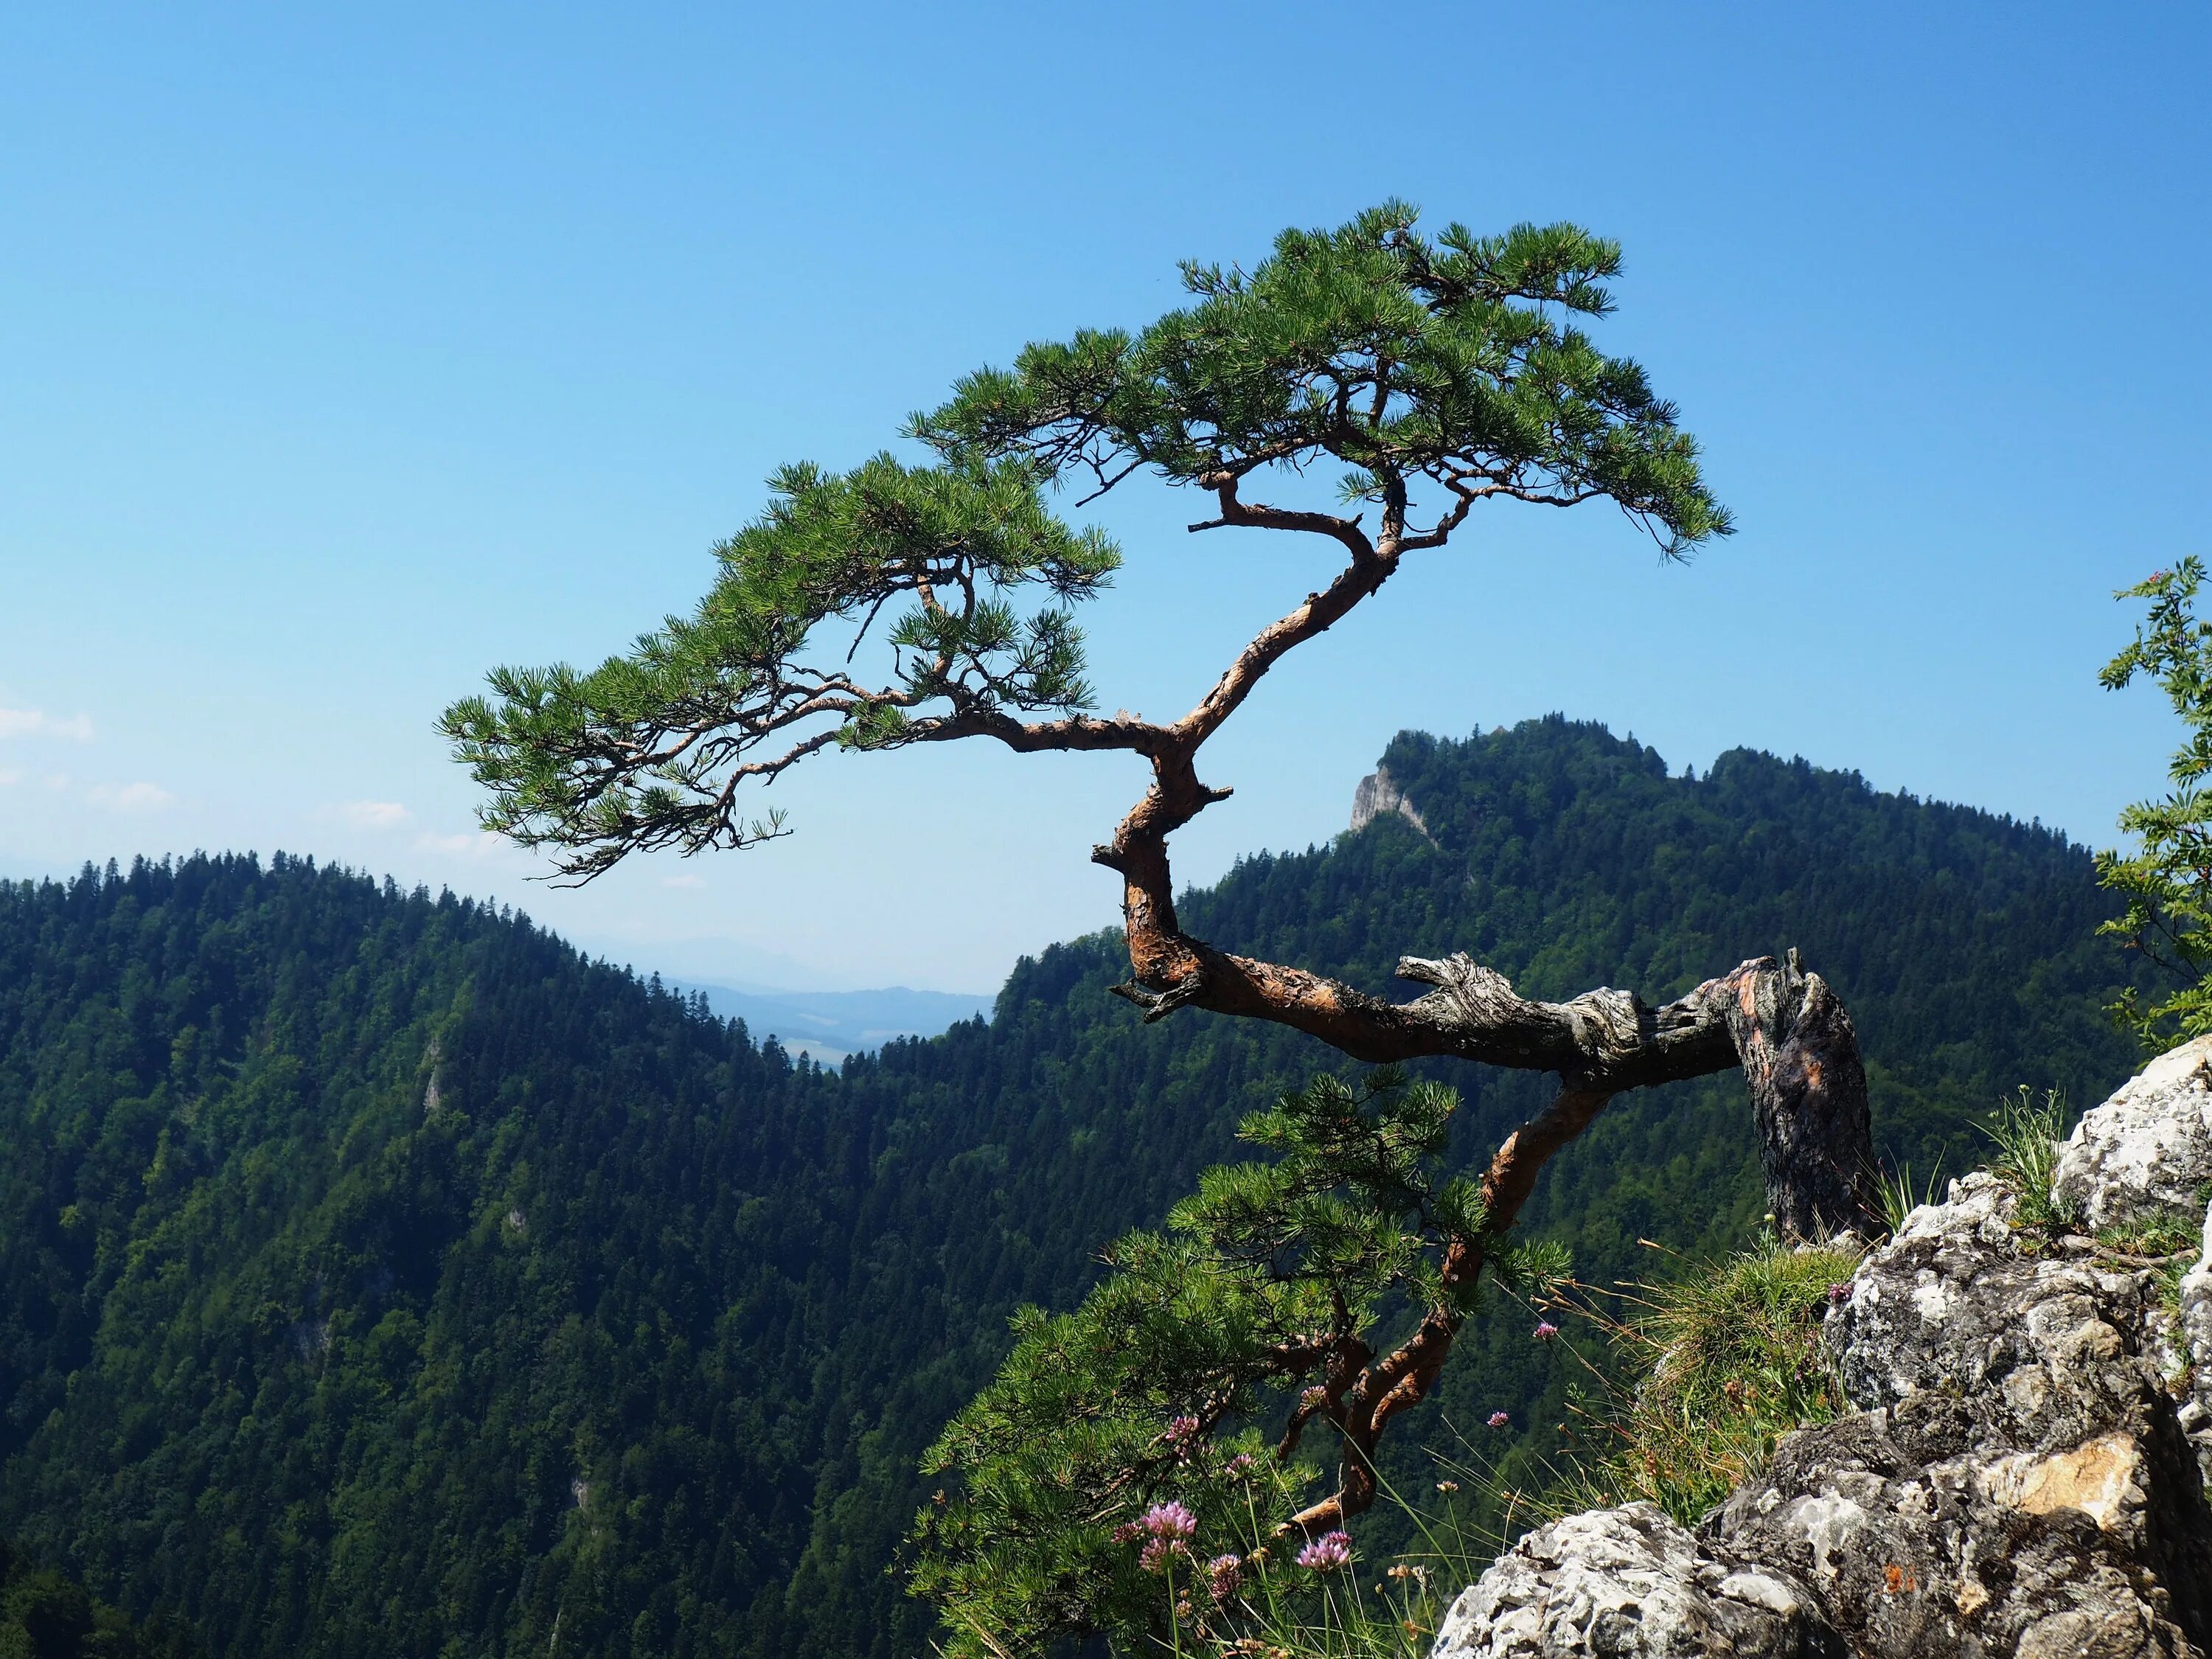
(2016, 1480)
(1628, 1583)
(2193, 1341)
(2149, 1148)
(2019, 1477)
(1377, 793)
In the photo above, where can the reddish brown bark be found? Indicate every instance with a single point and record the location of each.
(1785, 1028)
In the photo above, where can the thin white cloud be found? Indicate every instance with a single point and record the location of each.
(131, 797)
(480, 844)
(7, 778)
(37, 723)
(683, 881)
(374, 814)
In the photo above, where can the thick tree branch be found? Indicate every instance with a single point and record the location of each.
(1783, 1026)
(1235, 513)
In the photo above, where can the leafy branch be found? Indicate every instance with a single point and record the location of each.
(2168, 882)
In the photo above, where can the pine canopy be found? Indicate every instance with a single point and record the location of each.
(1432, 374)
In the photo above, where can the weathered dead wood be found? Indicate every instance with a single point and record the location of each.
(1785, 1028)
(1808, 1093)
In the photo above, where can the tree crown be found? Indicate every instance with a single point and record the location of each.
(1436, 373)
(1403, 359)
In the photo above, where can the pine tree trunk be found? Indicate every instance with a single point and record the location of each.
(1808, 1092)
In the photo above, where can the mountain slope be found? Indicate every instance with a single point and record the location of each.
(377, 1275)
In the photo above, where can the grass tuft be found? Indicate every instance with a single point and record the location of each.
(1729, 1359)
(1901, 1194)
(2029, 1133)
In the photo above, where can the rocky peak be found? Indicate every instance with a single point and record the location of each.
(1377, 793)
(2020, 1479)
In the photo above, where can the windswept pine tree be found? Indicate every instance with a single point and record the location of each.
(1437, 378)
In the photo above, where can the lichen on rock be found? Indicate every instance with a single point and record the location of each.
(2148, 1148)
(1627, 1583)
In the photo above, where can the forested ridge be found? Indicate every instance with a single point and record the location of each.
(380, 1276)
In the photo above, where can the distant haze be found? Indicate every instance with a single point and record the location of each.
(831, 1024)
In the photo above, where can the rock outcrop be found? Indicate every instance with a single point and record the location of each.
(2021, 1479)
(1377, 793)
(2148, 1148)
(1631, 1581)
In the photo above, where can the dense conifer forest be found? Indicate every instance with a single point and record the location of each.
(380, 1276)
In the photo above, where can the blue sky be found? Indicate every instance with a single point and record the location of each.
(344, 352)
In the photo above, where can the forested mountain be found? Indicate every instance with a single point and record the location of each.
(379, 1277)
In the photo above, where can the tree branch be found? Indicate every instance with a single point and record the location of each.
(1800, 1056)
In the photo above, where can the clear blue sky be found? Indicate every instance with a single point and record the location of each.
(346, 351)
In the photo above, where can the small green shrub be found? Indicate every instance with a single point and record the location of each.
(1712, 1372)
(1114, 1477)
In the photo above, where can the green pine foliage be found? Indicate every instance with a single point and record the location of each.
(1398, 357)
(46, 1615)
(723, 689)
(378, 1275)
(1148, 1394)
(1439, 374)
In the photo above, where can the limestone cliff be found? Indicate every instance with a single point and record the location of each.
(1377, 793)
(2021, 1479)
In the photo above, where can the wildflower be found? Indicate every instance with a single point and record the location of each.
(1225, 1573)
(1839, 1294)
(1169, 1520)
(1128, 1532)
(1546, 1330)
(1155, 1556)
(1498, 1419)
(1183, 1429)
(1447, 1486)
(1328, 1553)
(1239, 1466)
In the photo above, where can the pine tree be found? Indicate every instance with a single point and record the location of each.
(1433, 376)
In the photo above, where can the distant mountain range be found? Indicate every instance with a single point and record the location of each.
(379, 1275)
(827, 1025)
